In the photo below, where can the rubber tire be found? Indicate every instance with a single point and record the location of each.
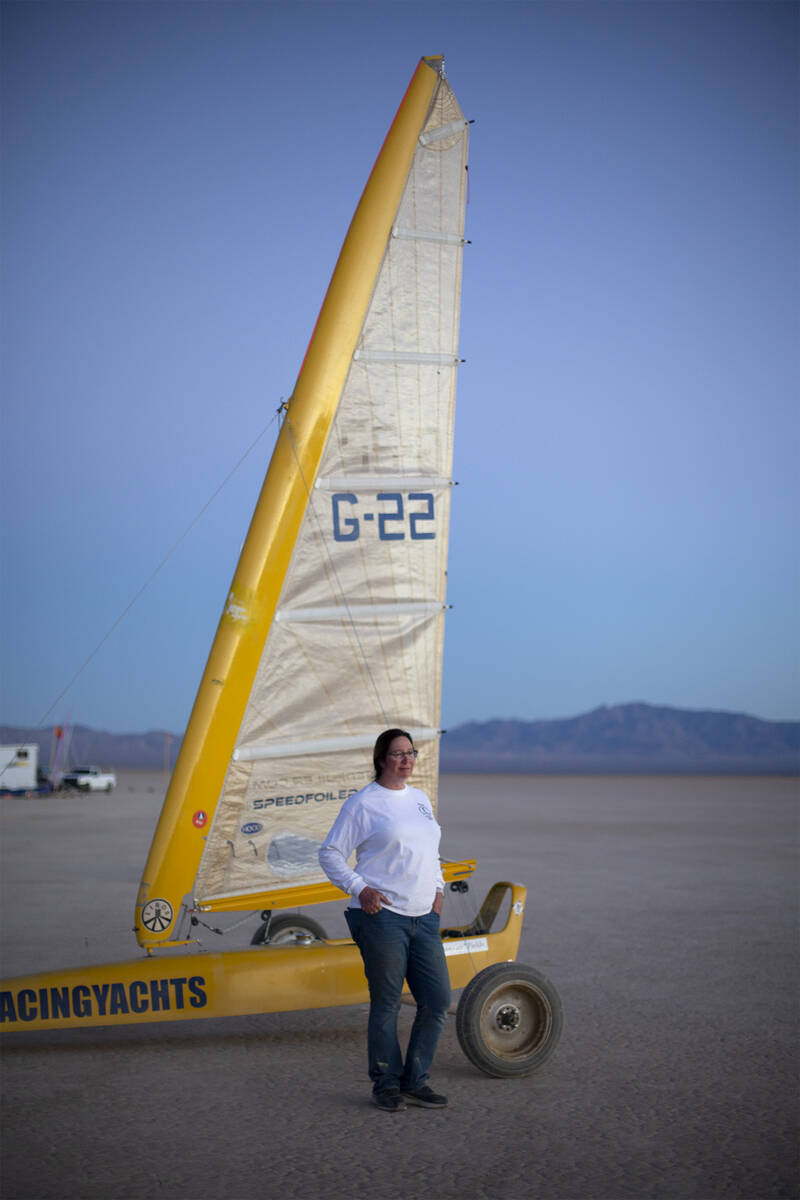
(281, 930)
(528, 995)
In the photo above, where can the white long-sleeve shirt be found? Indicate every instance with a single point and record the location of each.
(396, 840)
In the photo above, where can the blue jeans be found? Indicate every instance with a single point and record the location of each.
(395, 948)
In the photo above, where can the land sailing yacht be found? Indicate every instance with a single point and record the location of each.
(332, 630)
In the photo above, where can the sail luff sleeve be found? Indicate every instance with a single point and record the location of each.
(199, 774)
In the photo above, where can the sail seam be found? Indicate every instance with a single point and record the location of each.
(353, 611)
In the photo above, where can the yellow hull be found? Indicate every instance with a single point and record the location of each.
(262, 979)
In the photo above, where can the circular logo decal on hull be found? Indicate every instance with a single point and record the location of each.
(157, 915)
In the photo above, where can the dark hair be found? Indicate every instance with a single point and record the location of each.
(382, 745)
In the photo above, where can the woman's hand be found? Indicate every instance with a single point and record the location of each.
(371, 900)
(437, 903)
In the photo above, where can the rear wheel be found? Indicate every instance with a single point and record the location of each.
(286, 930)
(509, 1020)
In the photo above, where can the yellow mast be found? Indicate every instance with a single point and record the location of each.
(217, 714)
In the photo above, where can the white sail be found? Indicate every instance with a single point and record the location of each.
(356, 642)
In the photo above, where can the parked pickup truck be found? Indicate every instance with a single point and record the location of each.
(89, 779)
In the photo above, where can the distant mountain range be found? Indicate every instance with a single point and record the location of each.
(628, 739)
(144, 751)
(624, 739)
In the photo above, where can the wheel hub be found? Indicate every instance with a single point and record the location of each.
(508, 1018)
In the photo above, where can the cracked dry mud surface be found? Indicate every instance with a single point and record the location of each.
(664, 910)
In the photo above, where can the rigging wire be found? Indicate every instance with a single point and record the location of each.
(160, 566)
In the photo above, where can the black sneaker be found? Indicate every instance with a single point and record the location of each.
(425, 1097)
(389, 1100)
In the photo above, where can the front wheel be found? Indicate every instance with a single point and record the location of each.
(286, 930)
(509, 1020)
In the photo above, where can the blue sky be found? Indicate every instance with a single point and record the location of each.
(177, 181)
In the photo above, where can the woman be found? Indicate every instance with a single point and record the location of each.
(397, 891)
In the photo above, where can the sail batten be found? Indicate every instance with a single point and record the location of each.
(376, 483)
(321, 746)
(406, 356)
(429, 235)
(440, 132)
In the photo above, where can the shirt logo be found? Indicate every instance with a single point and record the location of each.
(426, 812)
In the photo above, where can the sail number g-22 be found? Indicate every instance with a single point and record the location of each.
(395, 522)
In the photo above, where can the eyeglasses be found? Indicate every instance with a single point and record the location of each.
(403, 754)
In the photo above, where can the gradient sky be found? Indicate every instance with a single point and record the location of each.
(177, 181)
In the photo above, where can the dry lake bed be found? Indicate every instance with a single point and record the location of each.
(665, 910)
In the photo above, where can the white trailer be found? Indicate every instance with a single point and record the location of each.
(18, 766)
